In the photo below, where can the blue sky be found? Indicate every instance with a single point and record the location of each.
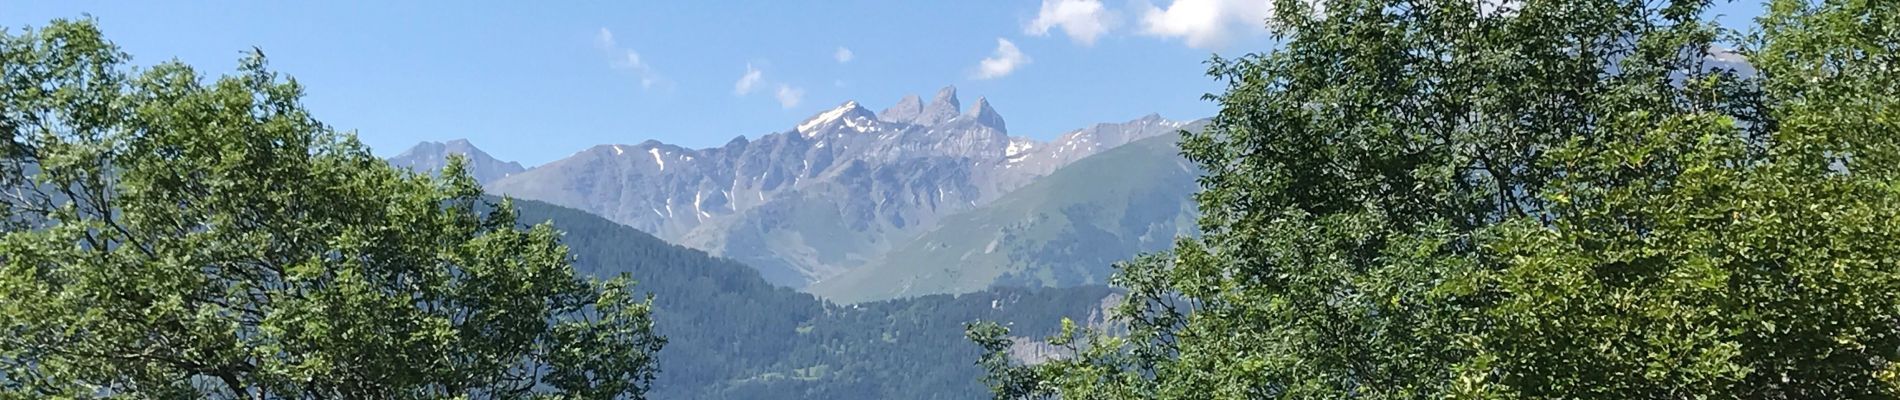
(536, 81)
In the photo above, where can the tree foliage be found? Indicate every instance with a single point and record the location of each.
(1527, 199)
(171, 237)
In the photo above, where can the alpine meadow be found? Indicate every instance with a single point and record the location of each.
(1157, 199)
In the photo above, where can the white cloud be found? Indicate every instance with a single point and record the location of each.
(843, 55)
(626, 59)
(1005, 61)
(1206, 23)
(746, 82)
(604, 39)
(789, 96)
(1082, 20)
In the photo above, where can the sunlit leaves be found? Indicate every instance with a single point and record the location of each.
(173, 237)
(1535, 199)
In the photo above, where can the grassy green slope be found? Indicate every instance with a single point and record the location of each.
(1065, 229)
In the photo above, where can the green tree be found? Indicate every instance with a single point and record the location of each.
(168, 237)
(1526, 199)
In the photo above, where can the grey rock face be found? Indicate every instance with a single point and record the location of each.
(984, 115)
(432, 156)
(942, 108)
(905, 111)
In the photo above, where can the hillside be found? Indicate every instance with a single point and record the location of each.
(736, 336)
(1064, 229)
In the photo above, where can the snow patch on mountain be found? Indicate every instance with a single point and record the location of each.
(849, 115)
(1017, 148)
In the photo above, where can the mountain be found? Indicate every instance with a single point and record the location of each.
(827, 196)
(432, 156)
(1030, 160)
(1065, 229)
(733, 335)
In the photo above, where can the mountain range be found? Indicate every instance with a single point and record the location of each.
(850, 197)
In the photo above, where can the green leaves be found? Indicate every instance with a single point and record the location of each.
(170, 237)
(1540, 199)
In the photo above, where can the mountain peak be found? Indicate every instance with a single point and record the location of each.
(943, 107)
(905, 111)
(946, 94)
(737, 141)
(985, 115)
(432, 156)
(424, 147)
(850, 113)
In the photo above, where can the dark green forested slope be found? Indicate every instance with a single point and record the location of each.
(734, 336)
